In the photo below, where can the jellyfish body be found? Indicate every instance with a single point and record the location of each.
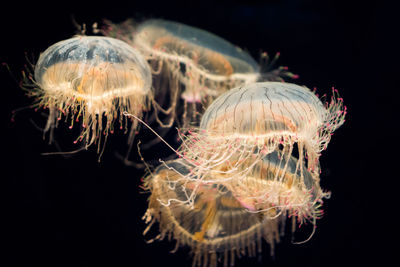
(212, 64)
(203, 64)
(217, 227)
(94, 79)
(251, 121)
(222, 221)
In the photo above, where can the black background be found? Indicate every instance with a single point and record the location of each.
(75, 211)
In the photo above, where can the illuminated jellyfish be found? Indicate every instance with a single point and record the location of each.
(219, 226)
(247, 123)
(203, 64)
(279, 183)
(92, 79)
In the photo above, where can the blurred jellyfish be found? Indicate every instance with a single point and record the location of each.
(218, 225)
(92, 79)
(203, 64)
(217, 228)
(249, 122)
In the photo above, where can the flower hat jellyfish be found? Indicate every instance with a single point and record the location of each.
(92, 79)
(218, 226)
(279, 184)
(253, 120)
(203, 64)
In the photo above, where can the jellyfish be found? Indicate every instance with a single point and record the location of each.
(93, 80)
(248, 122)
(222, 224)
(196, 62)
(277, 183)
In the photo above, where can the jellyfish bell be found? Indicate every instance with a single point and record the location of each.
(203, 64)
(259, 118)
(263, 110)
(210, 61)
(93, 79)
(216, 227)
